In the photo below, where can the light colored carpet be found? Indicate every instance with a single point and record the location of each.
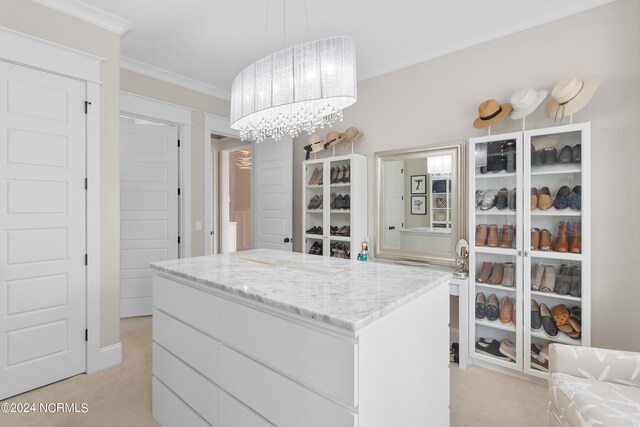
(121, 396)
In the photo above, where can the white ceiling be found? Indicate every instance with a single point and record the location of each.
(210, 41)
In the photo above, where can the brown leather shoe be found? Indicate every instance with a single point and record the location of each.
(496, 274)
(505, 310)
(507, 236)
(545, 241)
(535, 239)
(492, 238)
(576, 237)
(485, 272)
(544, 198)
(507, 275)
(534, 197)
(562, 239)
(481, 235)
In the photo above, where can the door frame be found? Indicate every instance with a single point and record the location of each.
(32, 52)
(146, 108)
(214, 124)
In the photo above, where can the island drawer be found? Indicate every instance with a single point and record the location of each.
(190, 386)
(235, 414)
(195, 348)
(319, 360)
(170, 410)
(192, 306)
(275, 397)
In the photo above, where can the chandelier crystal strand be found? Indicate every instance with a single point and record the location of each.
(301, 88)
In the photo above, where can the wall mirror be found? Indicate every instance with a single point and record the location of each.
(420, 208)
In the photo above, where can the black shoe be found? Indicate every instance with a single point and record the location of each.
(481, 306)
(346, 202)
(550, 155)
(565, 154)
(493, 308)
(512, 200)
(490, 347)
(536, 320)
(502, 201)
(575, 198)
(576, 154)
(562, 198)
(339, 201)
(312, 230)
(548, 324)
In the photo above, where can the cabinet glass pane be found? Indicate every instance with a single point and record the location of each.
(314, 208)
(340, 205)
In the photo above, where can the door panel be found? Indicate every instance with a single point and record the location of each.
(148, 209)
(42, 228)
(273, 188)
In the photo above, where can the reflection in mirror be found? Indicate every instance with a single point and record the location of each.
(418, 203)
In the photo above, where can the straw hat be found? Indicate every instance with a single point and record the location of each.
(544, 142)
(351, 134)
(525, 101)
(316, 143)
(570, 96)
(490, 112)
(334, 137)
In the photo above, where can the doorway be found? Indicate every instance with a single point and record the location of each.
(149, 208)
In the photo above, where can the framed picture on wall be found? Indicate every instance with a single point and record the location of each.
(418, 184)
(418, 205)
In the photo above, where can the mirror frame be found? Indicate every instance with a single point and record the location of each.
(459, 214)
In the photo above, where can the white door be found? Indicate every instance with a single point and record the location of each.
(393, 203)
(273, 187)
(148, 209)
(42, 228)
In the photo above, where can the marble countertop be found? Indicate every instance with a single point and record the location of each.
(347, 294)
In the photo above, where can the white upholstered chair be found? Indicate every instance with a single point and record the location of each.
(593, 387)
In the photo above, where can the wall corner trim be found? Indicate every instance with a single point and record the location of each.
(109, 356)
(89, 14)
(173, 78)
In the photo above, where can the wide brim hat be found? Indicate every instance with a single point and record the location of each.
(334, 137)
(316, 143)
(491, 112)
(351, 134)
(570, 96)
(544, 142)
(525, 102)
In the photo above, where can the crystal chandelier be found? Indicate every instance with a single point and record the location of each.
(300, 88)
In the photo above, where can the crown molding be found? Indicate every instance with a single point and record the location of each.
(551, 15)
(89, 14)
(173, 78)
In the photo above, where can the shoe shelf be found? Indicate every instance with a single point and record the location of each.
(565, 256)
(497, 324)
(494, 288)
(556, 296)
(330, 178)
(495, 250)
(494, 211)
(556, 168)
(497, 152)
(501, 174)
(562, 338)
(555, 212)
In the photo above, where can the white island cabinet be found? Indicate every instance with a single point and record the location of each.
(263, 338)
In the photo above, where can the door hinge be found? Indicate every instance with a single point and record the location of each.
(402, 197)
(178, 191)
(178, 239)
(86, 107)
(86, 183)
(86, 259)
(178, 143)
(86, 335)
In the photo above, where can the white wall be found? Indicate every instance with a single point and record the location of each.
(39, 21)
(436, 102)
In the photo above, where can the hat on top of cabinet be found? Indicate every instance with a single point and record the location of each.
(351, 134)
(316, 143)
(570, 96)
(525, 101)
(334, 137)
(491, 112)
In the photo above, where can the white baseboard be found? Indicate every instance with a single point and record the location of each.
(109, 356)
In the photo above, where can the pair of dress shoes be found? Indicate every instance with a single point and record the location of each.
(340, 174)
(316, 177)
(567, 198)
(345, 230)
(503, 349)
(340, 250)
(500, 199)
(570, 154)
(314, 230)
(340, 201)
(315, 202)
(316, 249)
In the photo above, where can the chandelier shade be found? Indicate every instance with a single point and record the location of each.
(300, 88)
